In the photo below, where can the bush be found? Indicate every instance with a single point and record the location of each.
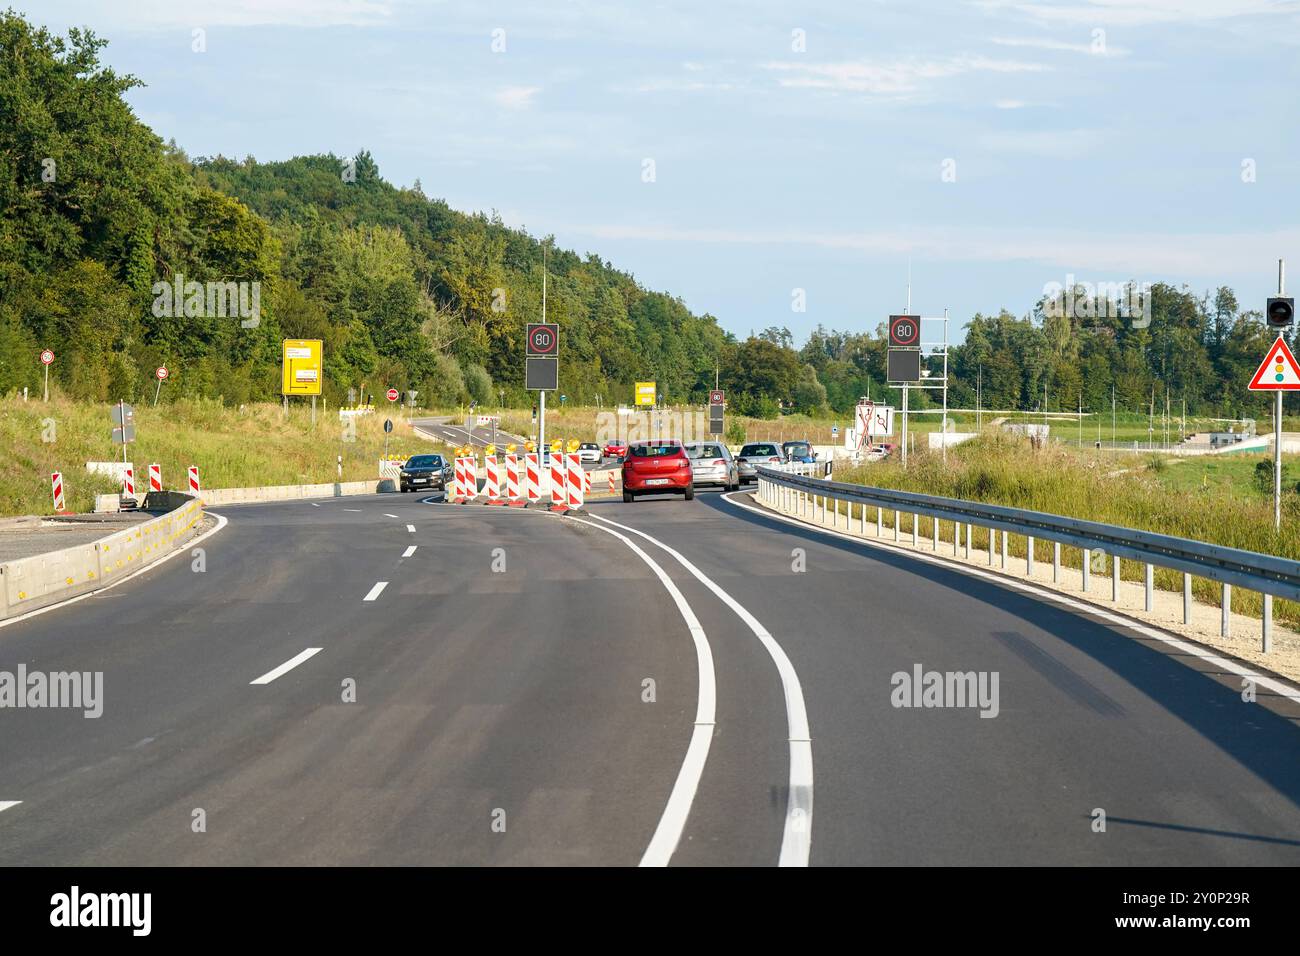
(1264, 476)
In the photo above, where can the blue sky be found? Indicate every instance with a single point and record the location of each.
(1104, 140)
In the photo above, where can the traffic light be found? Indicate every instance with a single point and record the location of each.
(1280, 312)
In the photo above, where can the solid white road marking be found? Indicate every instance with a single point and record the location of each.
(796, 839)
(287, 666)
(673, 821)
(315, 505)
(411, 528)
(354, 510)
(377, 590)
(6, 804)
(1092, 610)
(409, 551)
(387, 515)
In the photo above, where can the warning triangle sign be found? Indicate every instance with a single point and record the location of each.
(1279, 371)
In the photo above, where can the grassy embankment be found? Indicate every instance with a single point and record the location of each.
(233, 447)
(1003, 469)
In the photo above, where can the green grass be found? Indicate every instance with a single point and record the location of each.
(999, 468)
(233, 447)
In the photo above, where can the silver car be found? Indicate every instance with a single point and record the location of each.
(755, 455)
(712, 464)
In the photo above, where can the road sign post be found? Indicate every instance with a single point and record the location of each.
(161, 374)
(46, 358)
(1277, 373)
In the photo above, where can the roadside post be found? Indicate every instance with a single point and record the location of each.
(47, 357)
(1278, 373)
(161, 374)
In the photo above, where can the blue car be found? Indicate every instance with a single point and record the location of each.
(798, 451)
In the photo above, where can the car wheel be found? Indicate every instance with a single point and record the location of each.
(689, 493)
(627, 497)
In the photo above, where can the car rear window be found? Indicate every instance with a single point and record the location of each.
(425, 461)
(588, 444)
(704, 451)
(655, 449)
(798, 447)
(757, 451)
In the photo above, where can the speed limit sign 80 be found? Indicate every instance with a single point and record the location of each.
(543, 340)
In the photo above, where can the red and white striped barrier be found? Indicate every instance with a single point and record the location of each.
(586, 482)
(155, 477)
(577, 481)
(56, 486)
(558, 497)
(612, 490)
(469, 490)
(532, 477)
(194, 480)
(128, 481)
(493, 486)
(512, 480)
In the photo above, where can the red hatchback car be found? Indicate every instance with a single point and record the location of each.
(656, 467)
(616, 449)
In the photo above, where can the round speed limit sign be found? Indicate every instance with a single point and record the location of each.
(543, 339)
(162, 374)
(47, 357)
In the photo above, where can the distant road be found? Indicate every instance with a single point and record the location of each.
(460, 435)
(567, 698)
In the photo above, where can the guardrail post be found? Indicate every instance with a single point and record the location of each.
(934, 533)
(956, 539)
(880, 522)
(993, 543)
(1056, 562)
(896, 519)
(970, 530)
(1267, 645)
(1029, 556)
(1187, 598)
(1005, 535)
(1087, 567)
(915, 520)
(1116, 569)
(1150, 587)
(1225, 622)
(863, 516)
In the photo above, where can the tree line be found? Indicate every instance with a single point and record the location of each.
(103, 221)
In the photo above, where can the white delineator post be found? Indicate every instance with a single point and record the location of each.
(155, 477)
(471, 477)
(56, 487)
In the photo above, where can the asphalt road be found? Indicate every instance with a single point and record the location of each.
(505, 716)
(478, 437)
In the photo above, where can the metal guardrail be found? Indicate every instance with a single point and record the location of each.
(1231, 567)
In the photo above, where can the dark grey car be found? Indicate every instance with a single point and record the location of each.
(424, 473)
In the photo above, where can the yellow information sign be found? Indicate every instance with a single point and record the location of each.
(645, 393)
(301, 369)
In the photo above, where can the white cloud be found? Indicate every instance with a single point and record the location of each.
(1010, 104)
(516, 97)
(1144, 255)
(890, 79)
(1043, 43)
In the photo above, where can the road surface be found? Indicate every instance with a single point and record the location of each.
(532, 689)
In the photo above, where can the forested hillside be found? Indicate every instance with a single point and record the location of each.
(99, 215)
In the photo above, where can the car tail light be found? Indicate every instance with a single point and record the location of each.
(719, 461)
(776, 460)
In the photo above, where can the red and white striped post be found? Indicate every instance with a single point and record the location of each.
(195, 489)
(128, 481)
(493, 487)
(586, 482)
(56, 486)
(533, 477)
(471, 477)
(512, 480)
(612, 489)
(155, 477)
(558, 496)
(577, 481)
